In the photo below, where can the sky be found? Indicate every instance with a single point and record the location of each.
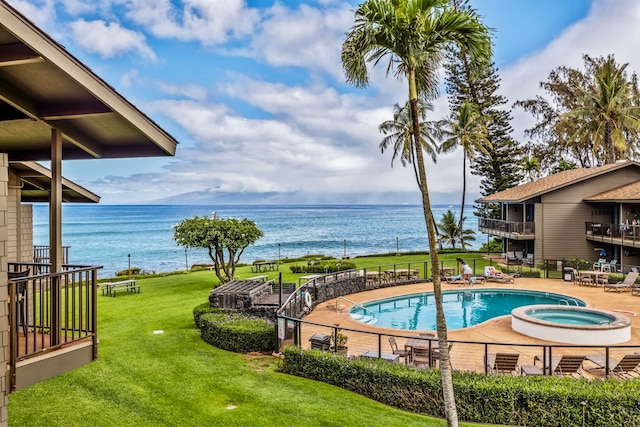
(255, 94)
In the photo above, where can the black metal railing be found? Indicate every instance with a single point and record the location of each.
(51, 310)
(42, 254)
(507, 227)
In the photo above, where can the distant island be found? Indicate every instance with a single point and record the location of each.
(216, 197)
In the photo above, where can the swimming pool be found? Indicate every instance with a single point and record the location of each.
(462, 308)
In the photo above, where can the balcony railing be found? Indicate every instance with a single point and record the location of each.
(506, 228)
(620, 234)
(51, 311)
(42, 254)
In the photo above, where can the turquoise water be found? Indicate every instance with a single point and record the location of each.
(571, 317)
(106, 234)
(462, 308)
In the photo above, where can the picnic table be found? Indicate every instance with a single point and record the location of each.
(111, 288)
(258, 267)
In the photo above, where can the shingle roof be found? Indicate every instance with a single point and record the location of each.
(624, 193)
(553, 182)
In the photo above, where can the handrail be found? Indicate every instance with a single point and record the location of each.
(49, 311)
(365, 309)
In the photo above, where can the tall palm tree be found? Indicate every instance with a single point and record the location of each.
(399, 132)
(609, 110)
(411, 35)
(465, 128)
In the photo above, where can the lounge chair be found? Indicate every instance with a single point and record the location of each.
(396, 350)
(625, 285)
(560, 365)
(624, 368)
(503, 362)
(501, 278)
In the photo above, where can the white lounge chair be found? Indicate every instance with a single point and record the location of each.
(625, 285)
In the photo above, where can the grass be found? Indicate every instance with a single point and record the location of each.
(144, 378)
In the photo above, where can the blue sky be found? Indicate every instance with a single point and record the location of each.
(255, 94)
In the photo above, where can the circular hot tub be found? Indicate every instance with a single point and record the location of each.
(572, 325)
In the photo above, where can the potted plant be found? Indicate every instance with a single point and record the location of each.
(339, 342)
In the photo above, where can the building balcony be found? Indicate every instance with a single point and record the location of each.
(615, 234)
(52, 321)
(509, 229)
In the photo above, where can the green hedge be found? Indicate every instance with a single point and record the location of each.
(202, 309)
(497, 399)
(236, 332)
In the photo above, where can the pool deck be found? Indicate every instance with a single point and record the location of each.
(498, 330)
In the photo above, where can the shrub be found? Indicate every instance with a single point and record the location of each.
(203, 309)
(541, 401)
(494, 245)
(237, 332)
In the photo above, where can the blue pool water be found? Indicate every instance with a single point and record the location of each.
(570, 317)
(462, 308)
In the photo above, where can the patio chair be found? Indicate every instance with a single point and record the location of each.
(598, 264)
(623, 368)
(503, 362)
(420, 356)
(585, 279)
(396, 350)
(625, 285)
(567, 364)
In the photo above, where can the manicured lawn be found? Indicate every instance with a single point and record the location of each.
(172, 378)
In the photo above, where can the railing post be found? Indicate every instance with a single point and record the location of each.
(94, 310)
(55, 310)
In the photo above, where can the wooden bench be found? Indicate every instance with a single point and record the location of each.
(111, 288)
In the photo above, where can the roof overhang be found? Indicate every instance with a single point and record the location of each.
(36, 185)
(43, 87)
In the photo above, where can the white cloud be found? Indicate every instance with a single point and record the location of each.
(109, 39)
(305, 37)
(205, 21)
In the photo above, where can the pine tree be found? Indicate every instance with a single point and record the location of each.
(479, 85)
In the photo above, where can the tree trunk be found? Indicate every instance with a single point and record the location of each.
(441, 325)
(609, 143)
(464, 191)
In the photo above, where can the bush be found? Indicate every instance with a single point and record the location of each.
(494, 245)
(234, 331)
(531, 273)
(497, 399)
(201, 309)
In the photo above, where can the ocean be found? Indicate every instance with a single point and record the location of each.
(114, 235)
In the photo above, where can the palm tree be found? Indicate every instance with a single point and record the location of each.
(412, 35)
(465, 128)
(609, 111)
(452, 232)
(399, 131)
(531, 168)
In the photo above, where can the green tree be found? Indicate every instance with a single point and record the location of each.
(398, 133)
(224, 238)
(465, 129)
(572, 118)
(477, 82)
(452, 232)
(607, 111)
(411, 35)
(531, 168)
